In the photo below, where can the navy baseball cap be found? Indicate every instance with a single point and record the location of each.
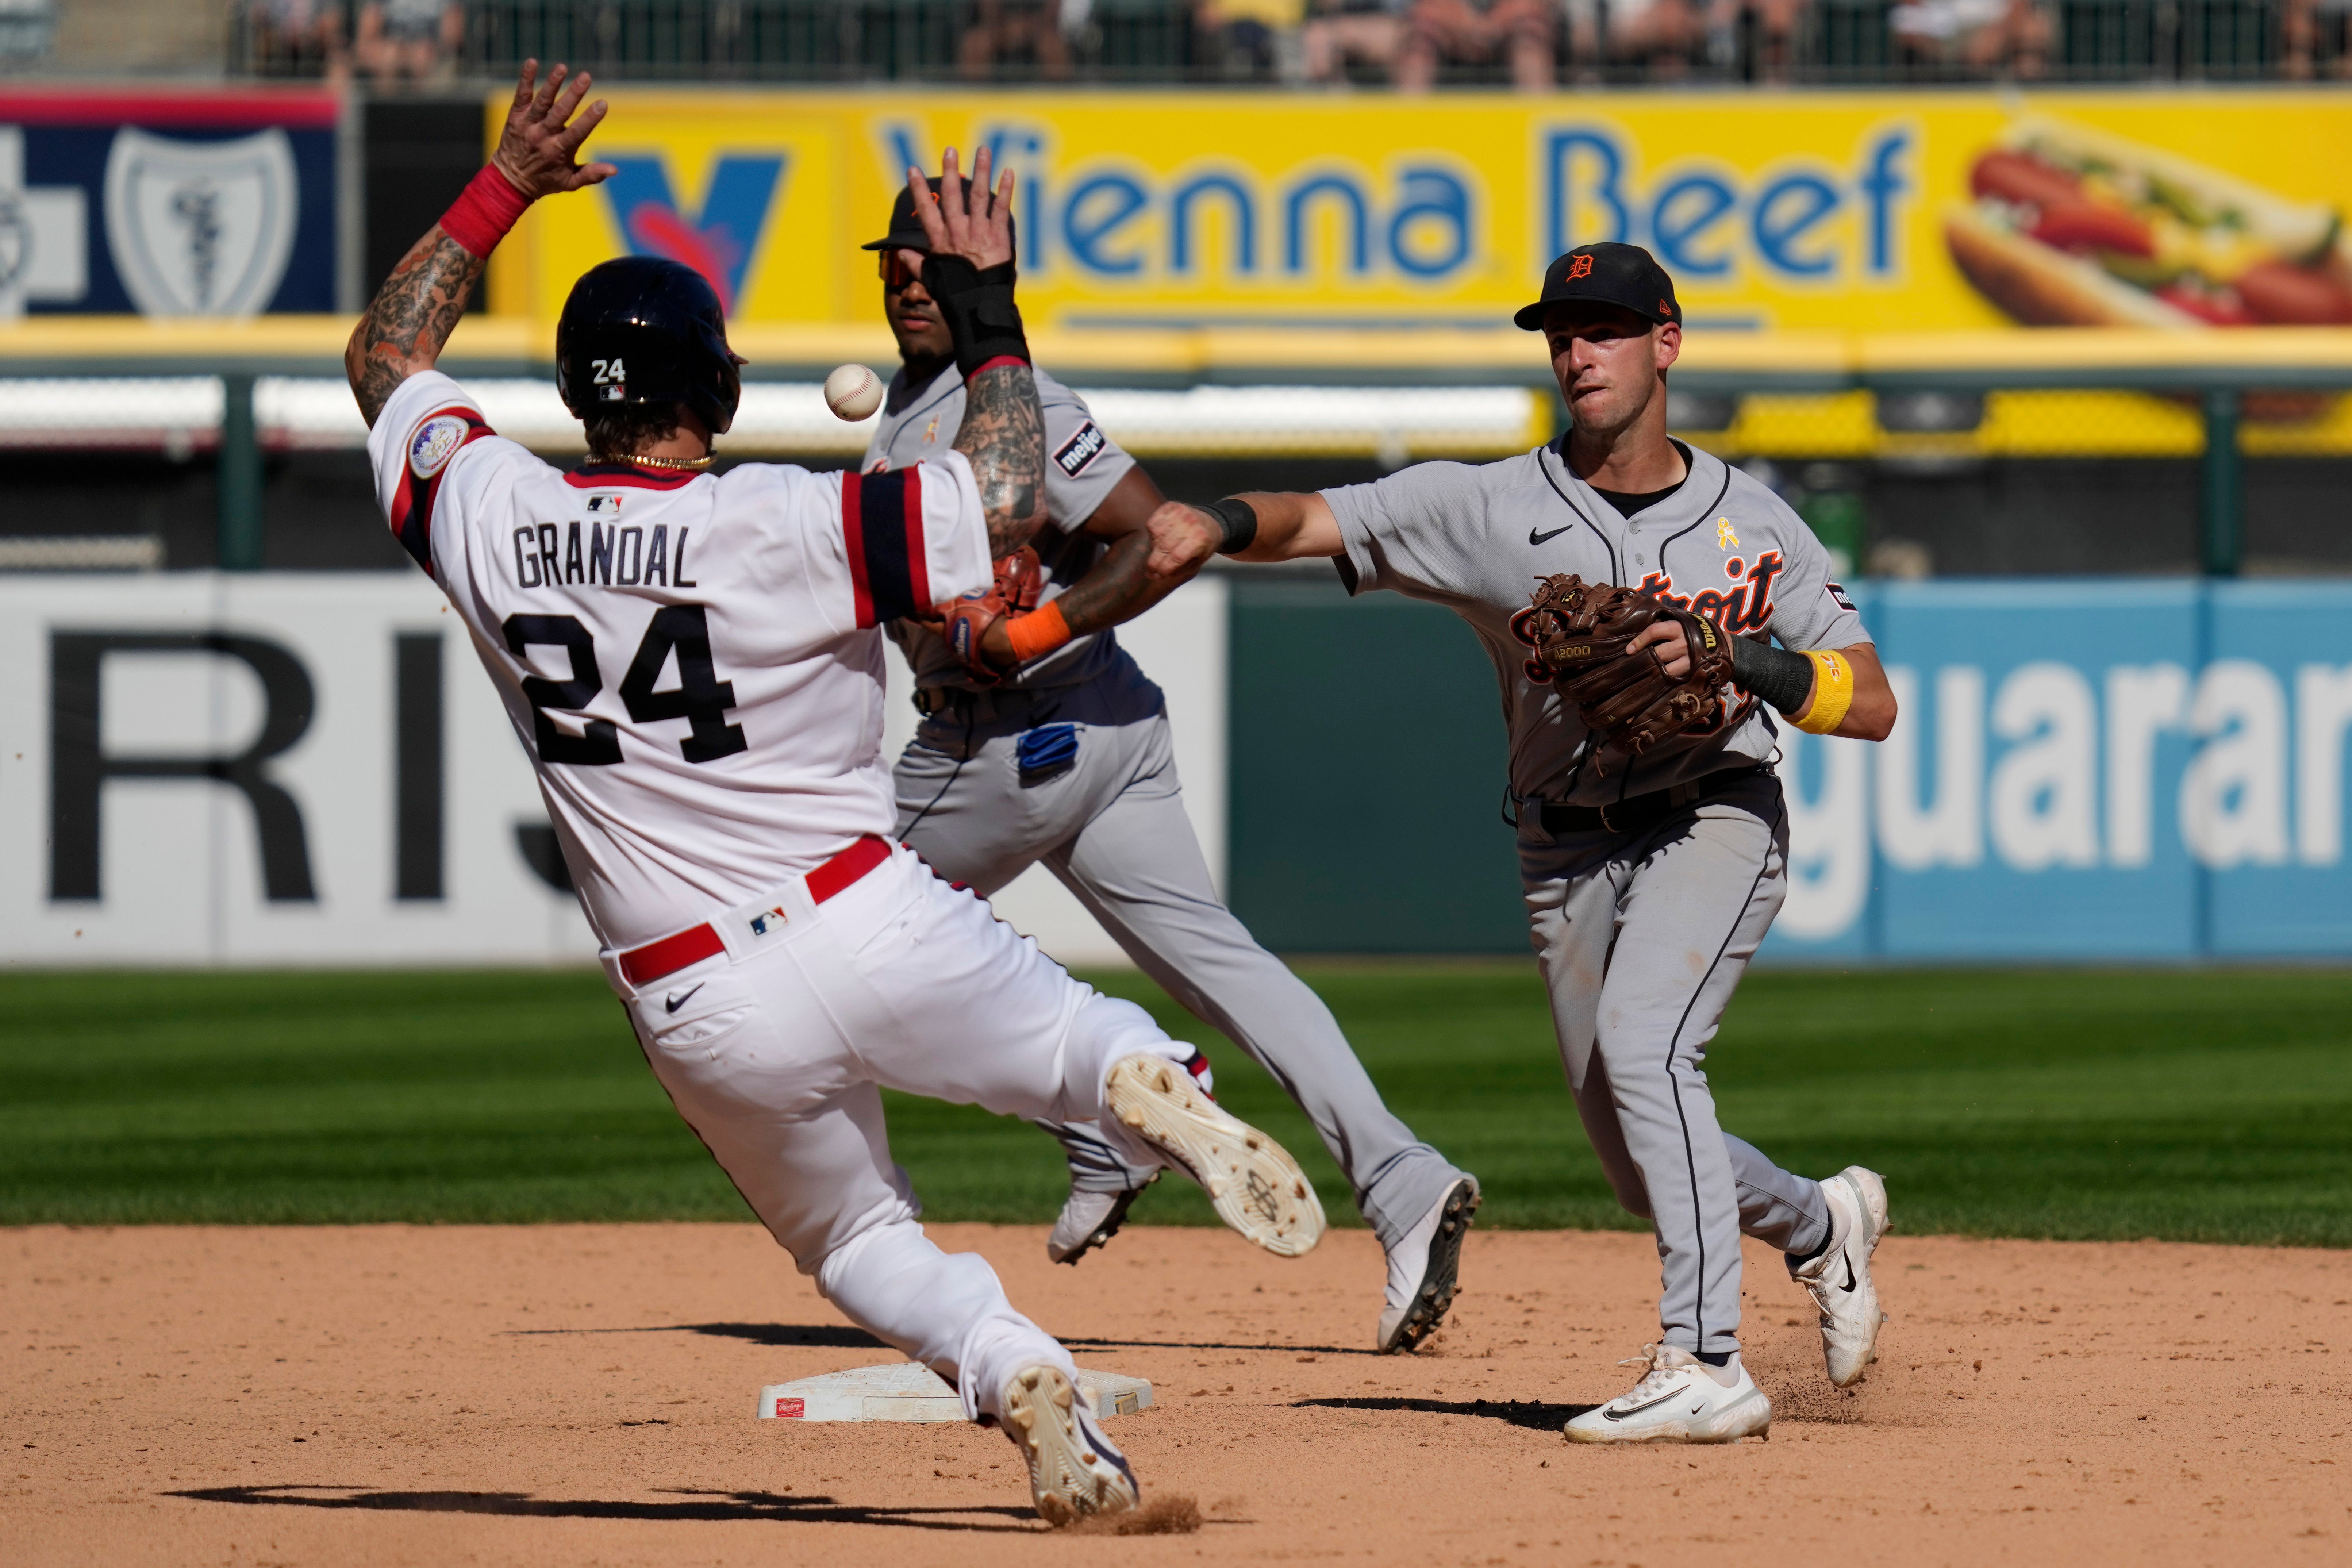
(1610, 274)
(907, 229)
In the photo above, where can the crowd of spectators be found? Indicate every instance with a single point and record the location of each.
(391, 42)
(1540, 45)
(1414, 45)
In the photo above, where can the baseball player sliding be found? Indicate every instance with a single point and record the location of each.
(1041, 740)
(1652, 835)
(694, 664)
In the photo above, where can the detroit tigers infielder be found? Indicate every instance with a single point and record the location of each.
(1065, 757)
(694, 664)
(1649, 880)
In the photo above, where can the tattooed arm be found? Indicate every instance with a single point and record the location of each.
(1003, 431)
(1118, 587)
(411, 315)
(410, 319)
(1003, 434)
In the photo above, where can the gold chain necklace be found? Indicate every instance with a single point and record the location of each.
(680, 465)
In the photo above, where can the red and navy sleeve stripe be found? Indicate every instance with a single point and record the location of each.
(882, 523)
(411, 515)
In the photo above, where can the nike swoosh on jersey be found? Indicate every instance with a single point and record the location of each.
(675, 1002)
(1535, 538)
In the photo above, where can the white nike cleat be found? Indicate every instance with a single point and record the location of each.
(1090, 1219)
(1257, 1188)
(1839, 1280)
(1073, 1470)
(1678, 1400)
(1421, 1268)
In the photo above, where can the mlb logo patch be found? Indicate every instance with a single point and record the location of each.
(767, 920)
(607, 506)
(1080, 450)
(436, 441)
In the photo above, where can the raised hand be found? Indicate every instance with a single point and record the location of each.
(538, 150)
(976, 223)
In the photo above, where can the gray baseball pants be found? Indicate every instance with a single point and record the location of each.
(1641, 938)
(1111, 827)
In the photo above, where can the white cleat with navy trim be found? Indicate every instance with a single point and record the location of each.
(1074, 1473)
(1254, 1185)
(1680, 1399)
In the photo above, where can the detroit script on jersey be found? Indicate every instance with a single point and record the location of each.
(1477, 539)
(693, 662)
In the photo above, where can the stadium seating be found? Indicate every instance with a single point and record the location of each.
(1846, 41)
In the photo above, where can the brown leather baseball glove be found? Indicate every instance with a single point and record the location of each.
(1581, 631)
(1019, 580)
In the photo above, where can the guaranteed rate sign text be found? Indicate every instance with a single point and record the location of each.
(1788, 210)
(2084, 769)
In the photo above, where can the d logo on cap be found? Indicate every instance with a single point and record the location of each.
(1580, 267)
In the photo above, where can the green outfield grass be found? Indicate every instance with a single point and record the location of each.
(2197, 1106)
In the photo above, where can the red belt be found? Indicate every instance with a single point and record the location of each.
(646, 964)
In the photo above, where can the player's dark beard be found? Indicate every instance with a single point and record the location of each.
(924, 354)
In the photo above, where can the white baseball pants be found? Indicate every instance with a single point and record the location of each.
(773, 1051)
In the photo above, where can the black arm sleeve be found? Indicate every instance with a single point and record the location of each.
(979, 309)
(1784, 679)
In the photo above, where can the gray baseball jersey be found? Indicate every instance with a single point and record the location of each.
(1616, 918)
(1082, 464)
(1477, 538)
(1108, 821)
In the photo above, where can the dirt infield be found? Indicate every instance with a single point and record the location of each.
(580, 1396)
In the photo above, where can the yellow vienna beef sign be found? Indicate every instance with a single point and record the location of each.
(1867, 212)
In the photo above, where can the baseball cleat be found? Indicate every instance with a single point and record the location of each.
(1678, 1400)
(1256, 1187)
(1421, 1267)
(1073, 1470)
(1839, 1280)
(1090, 1219)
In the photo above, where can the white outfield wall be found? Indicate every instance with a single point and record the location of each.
(312, 769)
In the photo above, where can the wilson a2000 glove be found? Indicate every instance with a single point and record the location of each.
(1582, 632)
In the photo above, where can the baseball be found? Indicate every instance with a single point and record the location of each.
(852, 392)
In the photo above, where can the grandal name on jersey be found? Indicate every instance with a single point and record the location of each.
(693, 662)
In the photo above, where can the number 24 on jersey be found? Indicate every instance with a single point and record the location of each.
(699, 697)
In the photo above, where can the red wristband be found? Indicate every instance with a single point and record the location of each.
(483, 212)
(987, 366)
(1038, 632)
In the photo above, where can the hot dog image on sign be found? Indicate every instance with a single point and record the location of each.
(2070, 226)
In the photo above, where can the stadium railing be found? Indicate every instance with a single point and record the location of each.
(276, 385)
(1841, 41)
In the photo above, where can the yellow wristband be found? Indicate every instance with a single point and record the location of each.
(1833, 692)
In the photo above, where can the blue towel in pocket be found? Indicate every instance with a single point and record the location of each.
(1047, 748)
